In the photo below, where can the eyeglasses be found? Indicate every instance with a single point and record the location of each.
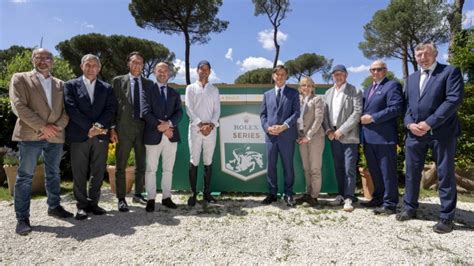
(377, 69)
(47, 59)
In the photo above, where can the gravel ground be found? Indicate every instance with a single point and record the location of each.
(237, 230)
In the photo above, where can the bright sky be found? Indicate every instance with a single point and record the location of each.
(332, 28)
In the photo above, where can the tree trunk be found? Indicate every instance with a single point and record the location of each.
(277, 46)
(429, 179)
(405, 63)
(186, 57)
(455, 24)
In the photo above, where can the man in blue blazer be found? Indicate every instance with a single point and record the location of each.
(434, 94)
(382, 104)
(91, 106)
(280, 111)
(162, 112)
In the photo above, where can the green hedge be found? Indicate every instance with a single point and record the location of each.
(7, 121)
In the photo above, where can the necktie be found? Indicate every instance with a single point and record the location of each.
(162, 95)
(372, 90)
(278, 96)
(424, 79)
(136, 100)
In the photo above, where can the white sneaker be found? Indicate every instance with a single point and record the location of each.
(339, 200)
(348, 205)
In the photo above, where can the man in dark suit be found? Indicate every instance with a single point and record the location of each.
(91, 106)
(128, 130)
(434, 94)
(162, 112)
(383, 103)
(280, 111)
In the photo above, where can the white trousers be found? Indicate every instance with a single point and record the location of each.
(153, 153)
(198, 142)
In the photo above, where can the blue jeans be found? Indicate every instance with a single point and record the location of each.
(29, 153)
(345, 165)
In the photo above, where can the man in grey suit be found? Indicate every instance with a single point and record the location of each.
(341, 124)
(129, 127)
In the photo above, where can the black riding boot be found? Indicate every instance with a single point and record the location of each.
(207, 184)
(192, 182)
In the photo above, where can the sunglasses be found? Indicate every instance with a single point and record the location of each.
(377, 69)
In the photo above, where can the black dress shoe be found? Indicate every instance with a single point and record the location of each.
(269, 199)
(302, 199)
(290, 202)
(81, 214)
(150, 206)
(138, 198)
(209, 198)
(168, 203)
(59, 212)
(405, 216)
(443, 226)
(192, 201)
(371, 204)
(23, 227)
(384, 211)
(122, 205)
(96, 210)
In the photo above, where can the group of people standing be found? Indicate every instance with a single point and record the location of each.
(143, 115)
(134, 112)
(347, 117)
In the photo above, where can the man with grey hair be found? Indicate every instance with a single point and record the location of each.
(434, 94)
(382, 104)
(341, 124)
(37, 101)
(91, 106)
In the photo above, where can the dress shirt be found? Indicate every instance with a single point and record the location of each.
(165, 90)
(337, 103)
(203, 103)
(90, 86)
(132, 84)
(425, 76)
(46, 83)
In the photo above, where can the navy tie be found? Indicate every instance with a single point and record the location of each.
(162, 95)
(278, 96)
(136, 100)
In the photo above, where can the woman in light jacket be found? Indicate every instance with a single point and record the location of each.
(311, 140)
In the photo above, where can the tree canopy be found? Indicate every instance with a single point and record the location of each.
(308, 64)
(195, 19)
(395, 31)
(113, 51)
(256, 76)
(276, 11)
(463, 53)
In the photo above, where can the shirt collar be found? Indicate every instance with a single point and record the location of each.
(161, 85)
(282, 87)
(87, 81)
(431, 68)
(133, 77)
(200, 83)
(343, 87)
(40, 76)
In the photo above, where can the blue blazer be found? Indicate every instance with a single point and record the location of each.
(438, 104)
(287, 112)
(83, 114)
(153, 111)
(385, 105)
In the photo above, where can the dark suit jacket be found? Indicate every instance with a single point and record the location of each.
(385, 105)
(287, 112)
(153, 111)
(438, 104)
(83, 114)
(124, 118)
